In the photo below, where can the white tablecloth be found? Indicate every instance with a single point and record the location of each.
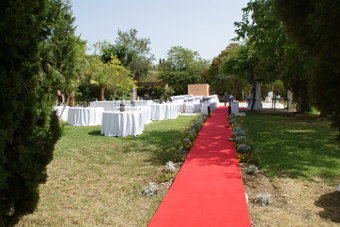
(146, 111)
(192, 107)
(109, 105)
(79, 116)
(163, 111)
(212, 105)
(59, 109)
(129, 123)
(146, 114)
(234, 107)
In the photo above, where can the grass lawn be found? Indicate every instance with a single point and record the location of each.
(295, 146)
(96, 180)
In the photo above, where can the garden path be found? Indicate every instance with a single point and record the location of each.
(208, 190)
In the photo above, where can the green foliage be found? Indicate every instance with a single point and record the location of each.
(28, 129)
(242, 62)
(294, 145)
(251, 158)
(263, 31)
(314, 26)
(133, 52)
(155, 92)
(109, 75)
(277, 57)
(222, 82)
(277, 87)
(182, 67)
(63, 52)
(165, 177)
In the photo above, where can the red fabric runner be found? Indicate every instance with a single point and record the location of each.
(208, 191)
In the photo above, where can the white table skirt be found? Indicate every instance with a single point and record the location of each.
(146, 114)
(180, 107)
(79, 116)
(129, 123)
(59, 109)
(212, 105)
(234, 107)
(192, 107)
(163, 111)
(146, 111)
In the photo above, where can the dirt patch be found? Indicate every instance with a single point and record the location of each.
(295, 202)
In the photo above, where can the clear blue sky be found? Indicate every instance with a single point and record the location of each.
(205, 26)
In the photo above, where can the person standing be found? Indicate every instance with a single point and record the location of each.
(230, 100)
(249, 102)
(59, 99)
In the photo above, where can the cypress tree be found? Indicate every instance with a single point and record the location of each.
(28, 128)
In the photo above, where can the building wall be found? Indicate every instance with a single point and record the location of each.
(198, 89)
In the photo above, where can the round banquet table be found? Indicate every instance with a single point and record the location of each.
(146, 111)
(128, 123)
(163, 111)
(79, 116)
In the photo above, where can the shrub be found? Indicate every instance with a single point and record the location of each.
(248, 158)
(150, 190)
(263, 199)
(166, 177)
(187, 143)
(252, 169)
(243, 148)
(238, 132)
(169, 167)
(230, 116)
(240, 139)
(233, 121)
(234, 125)
(191, 134)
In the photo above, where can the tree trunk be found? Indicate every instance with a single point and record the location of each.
(302, 104)
(102, 92)
(254, 95)
(302, 99)
(289, 100)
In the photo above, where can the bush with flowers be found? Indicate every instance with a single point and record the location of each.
(244, 152)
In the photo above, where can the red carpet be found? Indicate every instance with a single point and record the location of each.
(208, 191)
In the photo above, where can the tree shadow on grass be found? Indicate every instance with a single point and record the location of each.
(292, 147)
(95, 133)
(330, 202)
(163, 144)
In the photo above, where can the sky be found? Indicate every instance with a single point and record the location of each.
(205, 26)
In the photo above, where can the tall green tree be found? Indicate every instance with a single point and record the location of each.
(28, 128)
(134, 53)
(182, 67)
(64, 51)
(109, 75)
(276, 52)
(314, 25)
(223, 83)
(242, 63)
